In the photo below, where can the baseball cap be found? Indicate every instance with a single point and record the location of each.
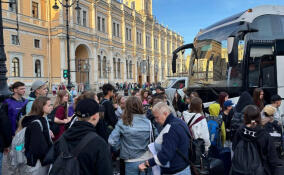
(228, 103)
(87, 108)
(37, 84)
(269, 110)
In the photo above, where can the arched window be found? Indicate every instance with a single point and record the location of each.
(15, 67)
(118, 68)
(37, 68)
(127, 69)
(100, 66)
(114, 68)
(130, 69)
(104, 67)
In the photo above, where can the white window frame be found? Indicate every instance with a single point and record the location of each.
(155, 43)
(128, 33)
(116, 29)
(17, 44)
(78, 17)
(20, 57)
(100, 28)
(86, 19)
(148, 41)
(39, 8)
(40, 58)
(13, 5)
(39, 43)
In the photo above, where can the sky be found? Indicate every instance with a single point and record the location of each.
(187, 17)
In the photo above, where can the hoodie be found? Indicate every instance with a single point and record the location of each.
(244, 100)
(37, 140)
(170, 93)
(264, 145)
(14, 107)
(214, 110)
(200, 129)
(94, 158)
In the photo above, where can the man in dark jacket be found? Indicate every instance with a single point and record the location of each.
(106, 124)
(173, 142)
(94, 158)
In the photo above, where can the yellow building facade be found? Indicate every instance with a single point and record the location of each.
(110, 41)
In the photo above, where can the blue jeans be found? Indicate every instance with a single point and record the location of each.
(1, 157)
(184, 172)
(131, 168)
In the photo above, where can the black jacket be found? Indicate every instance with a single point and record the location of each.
(95, 158)
(5, 128)
(108, 121)
(264, 145)
(109, 115)
(37, 140)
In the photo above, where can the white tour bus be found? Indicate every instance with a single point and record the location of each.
(239, 53)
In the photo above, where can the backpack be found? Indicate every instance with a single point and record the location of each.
(17, 153)
(22, 112)
(67, 163)
(54, 127)
(246, 159)
(214, 127)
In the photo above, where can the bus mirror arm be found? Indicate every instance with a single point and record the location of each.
(233, 54)
(181, 48)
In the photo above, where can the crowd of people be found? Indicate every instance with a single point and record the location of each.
(148, 130)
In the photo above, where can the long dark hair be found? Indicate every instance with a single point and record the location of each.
(133, 106)
(221, 99)
(252, 115)
(256, 98)
(38, 104)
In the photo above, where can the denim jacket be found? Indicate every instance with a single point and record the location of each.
(132, 140)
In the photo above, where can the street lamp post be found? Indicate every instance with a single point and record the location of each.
(4, 91)
(67, 6)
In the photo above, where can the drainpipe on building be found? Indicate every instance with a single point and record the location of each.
(49, 45)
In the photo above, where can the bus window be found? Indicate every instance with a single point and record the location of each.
(268, 71)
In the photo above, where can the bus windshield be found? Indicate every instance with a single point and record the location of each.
(270, 27)
(211, 68)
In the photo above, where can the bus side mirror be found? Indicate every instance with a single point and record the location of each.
(233, 54)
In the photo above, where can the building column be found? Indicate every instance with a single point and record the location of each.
(152, 70)
(62, 57)
(111, 73)
(61, 16)
(95, 67)
(160, 78)
(124, 70)
(72, 60)
(135, 71)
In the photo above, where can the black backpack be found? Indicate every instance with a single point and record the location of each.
(246, 159)
(54, 127)
(67, 163)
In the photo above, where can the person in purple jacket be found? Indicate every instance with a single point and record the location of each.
(15, 103)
